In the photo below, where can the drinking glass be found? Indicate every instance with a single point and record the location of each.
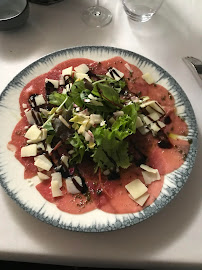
(96, 16)
(141, 10)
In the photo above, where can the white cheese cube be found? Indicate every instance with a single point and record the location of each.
(83, 68)
(148, 78)
(150, 177)
(55, 83)
(136, 188)
(33, 133)
(39, 99)
(67, 71)
(115, 74)
(157, 107)
(70, 185)
(43, 162)
(142, 199)
(143, 130)
(68, 87)
(150, 110)
(154, 127)
(29, 151)
(154, 116)
(161, 124)
(81, 76)
(57, 176)
(149, 174)
(147, 168)
(30, 119)
(42, 137)
(64, 160)
(42, 176)
(55, 188)
(139, 122)
(147, 103)
(146, 120)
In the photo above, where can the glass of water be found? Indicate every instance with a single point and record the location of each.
(141, 10)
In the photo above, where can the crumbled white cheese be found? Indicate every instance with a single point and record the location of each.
(81, 76)
(143, 130)
(43, 162)
(70, 185)
(33, 133)
(146, 120)
(55, 83)
(83, 68)
(115, 74)
(42, 137)
(148, 78)
(42, 176)
(142, 199)
(57, 176)
(67, 71)
(136, 188)
(30, 118)
(39, 99)
(29, 151)
(154, 116)
(55, 188)
(149, 174)
(64, 159)
(139, 122)
(161, 124)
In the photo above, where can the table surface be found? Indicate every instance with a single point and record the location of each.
(173, 236)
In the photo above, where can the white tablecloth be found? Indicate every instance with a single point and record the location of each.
(172, 237)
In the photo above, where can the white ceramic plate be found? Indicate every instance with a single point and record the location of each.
(26, 195)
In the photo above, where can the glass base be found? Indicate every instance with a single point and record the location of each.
(138, 13)
(96, 16)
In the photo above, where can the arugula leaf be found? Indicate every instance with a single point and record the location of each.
(56, 98)
(79, 148)
(76, 90)
(48, 126)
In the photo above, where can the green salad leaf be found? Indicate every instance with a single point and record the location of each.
(110, 152)
(56, 98)
(79, 148)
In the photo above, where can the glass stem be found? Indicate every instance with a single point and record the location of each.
(97, 4)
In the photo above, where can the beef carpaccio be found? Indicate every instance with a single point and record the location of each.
(98, 135)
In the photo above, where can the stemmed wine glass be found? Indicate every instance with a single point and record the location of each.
(96, 16)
